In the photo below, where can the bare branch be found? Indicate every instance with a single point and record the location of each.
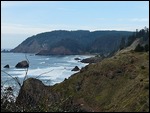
(25, 75)
(6, 81)
(27, 68)
(8, 74)
(15, 78)
(27, 58)
(44, 73)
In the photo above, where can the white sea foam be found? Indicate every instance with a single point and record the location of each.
(40, 59)
(57, 74)
(46, 73)
(42, 63)
(53, 68)
(47, 59)
(17, 73)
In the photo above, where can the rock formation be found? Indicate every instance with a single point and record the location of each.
(6, 66)
(76, 68)
(22, 64)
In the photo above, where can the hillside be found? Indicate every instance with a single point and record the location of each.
(116, 84)
(72, 42)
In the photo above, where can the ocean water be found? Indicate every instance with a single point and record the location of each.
(49, 69)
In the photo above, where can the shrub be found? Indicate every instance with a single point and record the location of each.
(139, 48)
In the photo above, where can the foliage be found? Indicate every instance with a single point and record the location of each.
(113, 84)
(146, 47)
(80, 41)
(8, 100)
(118, 84)
(122, 43)
(143, 34)
(139, 48)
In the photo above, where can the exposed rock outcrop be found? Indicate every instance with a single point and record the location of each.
(91, 60)
(22, 64)
(76, 68)
(55, 51)
(77, 58)
(34, 95)
(32, 92)
(7, 66)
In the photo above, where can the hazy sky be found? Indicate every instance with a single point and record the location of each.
(19, 20)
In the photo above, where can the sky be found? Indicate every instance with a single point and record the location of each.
(22, 19)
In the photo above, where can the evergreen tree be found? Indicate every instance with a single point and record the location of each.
(131, 39)
(139, 48)
(122, 43)
(146, 47)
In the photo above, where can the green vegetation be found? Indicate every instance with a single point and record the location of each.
(143, 34)
(146, 47)
(139, 48)
(72, 42)
(119, 83)
(122, 43)
(116, 84)
(113, 84)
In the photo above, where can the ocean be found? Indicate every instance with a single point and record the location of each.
(49, 69)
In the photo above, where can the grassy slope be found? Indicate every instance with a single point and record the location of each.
(120, 83)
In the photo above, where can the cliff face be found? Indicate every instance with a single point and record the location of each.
(72, 42)
(119, 83)
(30, 47)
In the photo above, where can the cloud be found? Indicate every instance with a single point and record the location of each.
(9, 28)
(32, 30)
(124, 19)
(21, 29)
(139, 20)
(134, 19)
